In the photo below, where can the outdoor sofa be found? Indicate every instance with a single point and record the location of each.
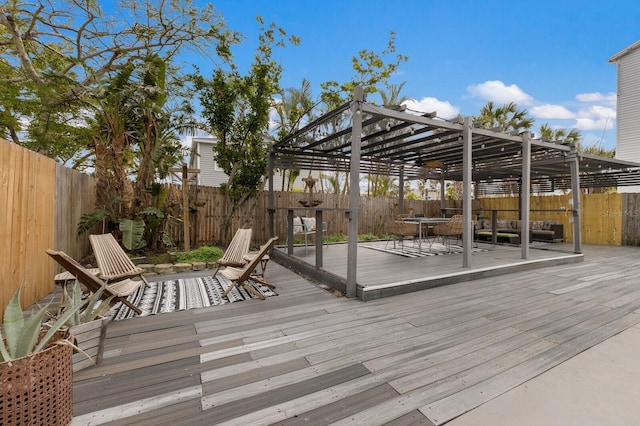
(539, 230)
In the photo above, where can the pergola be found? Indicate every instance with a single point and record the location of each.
(359, 137)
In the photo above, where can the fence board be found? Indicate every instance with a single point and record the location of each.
(40, 206)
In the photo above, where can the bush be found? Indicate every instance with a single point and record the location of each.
(368, 237)
(201, 254)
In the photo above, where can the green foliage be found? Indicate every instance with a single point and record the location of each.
(560, 135)
(89, 309)
(55, 55)
(368, 237)
(21, 337)
(236, 109)
(504, 118)
(597, 150)
(89, 220)
(370, 70)
(201, 254)
(132, 232)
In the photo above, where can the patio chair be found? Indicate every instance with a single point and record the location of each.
(241, 277)
(306, 227)
(236, 251)
(117, 290)
(113, 262)
(446, 231)
(398, 229)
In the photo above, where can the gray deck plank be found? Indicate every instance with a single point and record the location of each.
(305, 356)
(343, 408)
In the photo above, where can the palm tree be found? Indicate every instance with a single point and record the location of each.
(377, 185)
(295, 107)
(560, 135)
(505, 118)
(391, 96)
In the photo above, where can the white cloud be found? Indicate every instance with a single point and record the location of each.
(497, 91)
(443, 108)
(548, 111)
(596, 117)
(609, 99)
(594, 124)
(598, 111)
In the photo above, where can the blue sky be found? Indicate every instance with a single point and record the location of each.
(550, 57)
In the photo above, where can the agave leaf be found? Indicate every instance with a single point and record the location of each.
(101, 309)
(4, 353)
(59, 323)
(29, 333)
(13, 321)
(91, 312)
(71, 299)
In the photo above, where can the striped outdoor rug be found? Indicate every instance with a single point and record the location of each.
(182, 294)
(411, 250)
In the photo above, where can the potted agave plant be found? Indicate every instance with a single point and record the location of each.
(36, 384)
(87, 326)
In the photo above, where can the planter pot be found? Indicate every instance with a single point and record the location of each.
(90, 338)
(37, 389)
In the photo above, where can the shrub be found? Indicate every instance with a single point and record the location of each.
(201, 254)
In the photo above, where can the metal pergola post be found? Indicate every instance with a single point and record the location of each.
(525, 190)
(574, 165)
(354, 191)
(467, 230)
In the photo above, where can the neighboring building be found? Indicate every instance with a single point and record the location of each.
(212, 175)
(628, 107)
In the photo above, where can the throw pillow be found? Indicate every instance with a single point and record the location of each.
(309, 223)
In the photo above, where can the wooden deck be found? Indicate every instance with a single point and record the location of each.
(307, 357)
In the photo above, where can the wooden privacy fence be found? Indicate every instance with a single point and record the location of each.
(40, 206)
(209, 212)
(611, 219)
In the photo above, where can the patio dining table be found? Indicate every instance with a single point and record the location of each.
(429, 222)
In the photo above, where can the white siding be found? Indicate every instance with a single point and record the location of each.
(211, 175)
(628, 109)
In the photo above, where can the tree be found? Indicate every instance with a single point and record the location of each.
(391, 97)
(370, 68)
(560, 135)
(236, 110)
(295, 107)
(505, 118)
(55, 55)
(379, 185)
(371, 71)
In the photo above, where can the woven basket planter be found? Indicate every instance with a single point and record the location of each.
(90, 338)
(37, 389)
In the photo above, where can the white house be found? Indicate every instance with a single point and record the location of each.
(628, 106)
(212, 175)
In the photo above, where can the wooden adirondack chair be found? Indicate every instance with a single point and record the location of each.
(237, 250)
(113, 262)
(118, 290)
(241, 276)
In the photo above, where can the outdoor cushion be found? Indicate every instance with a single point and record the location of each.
(297, 225)
(504, 224)
(309, 224)
(536, 225)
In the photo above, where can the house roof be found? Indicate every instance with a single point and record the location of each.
(624, 52)
(427, 147)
